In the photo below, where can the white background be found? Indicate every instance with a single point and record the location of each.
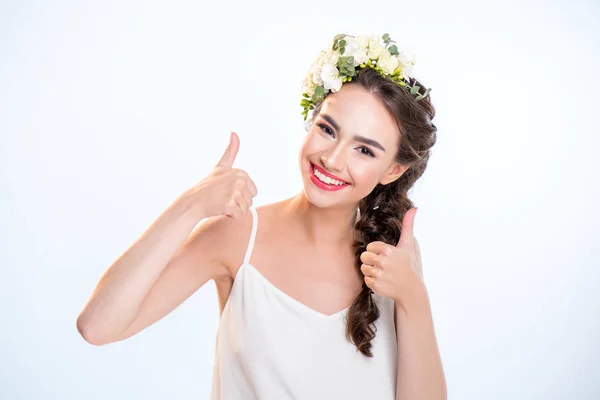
(110, 110)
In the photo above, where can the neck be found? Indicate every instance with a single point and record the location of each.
(323, 227)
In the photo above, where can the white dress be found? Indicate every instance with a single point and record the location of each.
(271, 346)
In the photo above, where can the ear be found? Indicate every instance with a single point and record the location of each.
(394, 172)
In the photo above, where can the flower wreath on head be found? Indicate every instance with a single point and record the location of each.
(349, 54)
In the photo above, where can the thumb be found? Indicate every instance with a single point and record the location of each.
(229, 156)
(408, 222)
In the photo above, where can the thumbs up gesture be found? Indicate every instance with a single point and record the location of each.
(226, 190)
(395, 271)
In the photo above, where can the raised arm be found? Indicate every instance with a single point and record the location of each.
(169, 262)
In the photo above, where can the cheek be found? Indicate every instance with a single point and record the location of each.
(307, 148)
(365, 175)
(312, 143)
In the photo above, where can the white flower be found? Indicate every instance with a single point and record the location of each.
(331, 77)
(406, 57)
(329, 72)
(363, 48)
(363, 41)
(355, 49)
(316, 75)
(335, 85)
(387, 62)
(320, 59)
(307, 84)
(308, 87)
(331, 56)
(407, 72)
(375, 49)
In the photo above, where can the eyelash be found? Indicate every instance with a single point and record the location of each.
(370, 153)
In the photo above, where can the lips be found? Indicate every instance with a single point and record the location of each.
(321, 170)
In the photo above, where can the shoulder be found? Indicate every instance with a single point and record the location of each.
(231, 236)
(226, 237)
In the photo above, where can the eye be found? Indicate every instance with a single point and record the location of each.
(369, 152)
(325, 128)
(329, 131)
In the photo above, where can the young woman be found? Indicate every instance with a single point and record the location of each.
(321, 294)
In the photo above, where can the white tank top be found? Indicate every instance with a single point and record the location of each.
(271, 346)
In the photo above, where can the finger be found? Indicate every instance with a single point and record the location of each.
(370, 258)
(242, 203)
(370, 270)
(378, 247)
(241, 186)
(418, 254)
(407, 234)
(236, 207)
(252, 187)
(232, 209)
(247, 196)
(228, 156)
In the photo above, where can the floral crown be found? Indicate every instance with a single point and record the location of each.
(349, 54)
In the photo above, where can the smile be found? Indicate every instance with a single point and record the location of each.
(325, 180)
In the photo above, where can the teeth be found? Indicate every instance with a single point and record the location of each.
(327, 179)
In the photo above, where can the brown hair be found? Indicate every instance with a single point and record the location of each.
(382, 211)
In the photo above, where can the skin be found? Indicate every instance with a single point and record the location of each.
(303, 244)
(308, 240)
(314, 227)
(326, 215)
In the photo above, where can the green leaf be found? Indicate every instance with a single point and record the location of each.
(346, 66)
(318, 94)
(343, 61)
(422, 96)
(393, 50)
(414, 89)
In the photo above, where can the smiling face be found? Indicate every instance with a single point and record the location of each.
(354, 139)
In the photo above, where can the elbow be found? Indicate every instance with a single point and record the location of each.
(89, 334)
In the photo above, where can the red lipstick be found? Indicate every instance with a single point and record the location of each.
(323, 185)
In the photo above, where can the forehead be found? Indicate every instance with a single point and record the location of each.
(362, 113)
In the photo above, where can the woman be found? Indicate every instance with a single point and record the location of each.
(324, 298)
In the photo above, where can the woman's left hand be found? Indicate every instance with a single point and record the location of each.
(395, 271)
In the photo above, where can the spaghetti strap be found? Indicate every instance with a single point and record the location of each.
(262, 328)
(252, 235)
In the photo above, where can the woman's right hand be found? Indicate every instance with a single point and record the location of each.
(226, 190)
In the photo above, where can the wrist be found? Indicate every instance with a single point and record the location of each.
(190, 206)
(416, 298)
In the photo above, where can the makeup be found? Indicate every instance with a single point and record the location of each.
(322, 185)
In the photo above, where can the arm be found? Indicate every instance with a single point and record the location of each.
(397, 273)
(420, 372)
(153, 276)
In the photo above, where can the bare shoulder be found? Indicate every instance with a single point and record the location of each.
(229, 239)
(230, 236)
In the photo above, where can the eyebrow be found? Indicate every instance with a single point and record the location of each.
(358, 138)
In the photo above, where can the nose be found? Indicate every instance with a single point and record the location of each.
(335, 158)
